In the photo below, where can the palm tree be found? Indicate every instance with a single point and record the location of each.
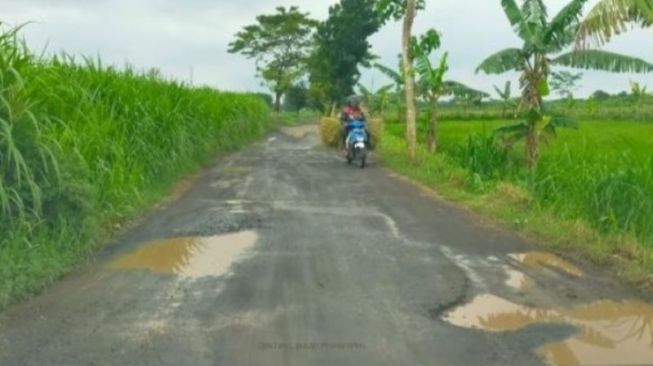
(432, 87)
(612, 17)
(543, 42)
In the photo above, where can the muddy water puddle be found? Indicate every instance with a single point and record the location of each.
(190, 257)
(608, 332)
(539, 260)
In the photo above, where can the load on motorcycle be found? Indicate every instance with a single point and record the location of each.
(355, 137)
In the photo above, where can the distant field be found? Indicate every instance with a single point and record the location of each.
(601, 173)
(593, 138)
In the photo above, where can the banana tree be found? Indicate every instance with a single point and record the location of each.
(377, 100)
(432, 87)
(398, 79)
(506, 98)
(612, 17)
(544, 42)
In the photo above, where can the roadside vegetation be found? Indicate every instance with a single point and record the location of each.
(590, 188)
(85, 147)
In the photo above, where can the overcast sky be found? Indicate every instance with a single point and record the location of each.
(179, 36)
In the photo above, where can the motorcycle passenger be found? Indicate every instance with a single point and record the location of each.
(351, 112)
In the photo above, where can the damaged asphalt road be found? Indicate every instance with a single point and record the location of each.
(284, 255)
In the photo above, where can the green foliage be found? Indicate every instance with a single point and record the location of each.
(621, 107)
(280, 44)
(376, 101)
(394, 75)
(483, 158)
(604, 61)
(341, 47)
(431, 79)
(86, 146)
(601, 175)
(296, 98)
(612, 17)
(600, 95)
(543, 41)
(565, 83)
(394, 9)
(506, 60)
(543, 130)
(27, 160)
(637, 90)
(267, 98)
(506, 98)
(425, 44)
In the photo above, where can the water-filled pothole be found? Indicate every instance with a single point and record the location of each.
(191, 257)
(608, 332)
(538, 260)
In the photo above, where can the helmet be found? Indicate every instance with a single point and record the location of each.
(354, 101)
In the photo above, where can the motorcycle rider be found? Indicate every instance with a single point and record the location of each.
(351, 112)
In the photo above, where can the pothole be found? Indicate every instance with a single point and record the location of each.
(189, 257)
(608, 332)
(539, 260)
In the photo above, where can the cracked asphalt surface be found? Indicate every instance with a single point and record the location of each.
(349, 267)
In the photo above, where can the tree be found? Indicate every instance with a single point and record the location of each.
(637, 90)
(565, 83)
(279, 43)
(543, 41)
(296, 98)
(612, 17)
(341, 47)
(397, 78)
(505, 95)
(406, 9)
(376, 101)
(601, 95)
(472, 99)
(431, 83)
(266, 97)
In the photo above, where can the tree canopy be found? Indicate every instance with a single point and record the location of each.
(280, 44)
(341, 47)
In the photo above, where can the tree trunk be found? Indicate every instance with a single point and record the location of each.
(433, 128)
(411, 114)
(532, 148)
(277, 102)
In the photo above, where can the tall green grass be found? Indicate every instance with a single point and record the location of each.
(84, 146)
(601, 174)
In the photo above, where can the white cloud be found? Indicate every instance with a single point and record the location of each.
(177, 36)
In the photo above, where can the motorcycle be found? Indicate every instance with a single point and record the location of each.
(356, 142)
